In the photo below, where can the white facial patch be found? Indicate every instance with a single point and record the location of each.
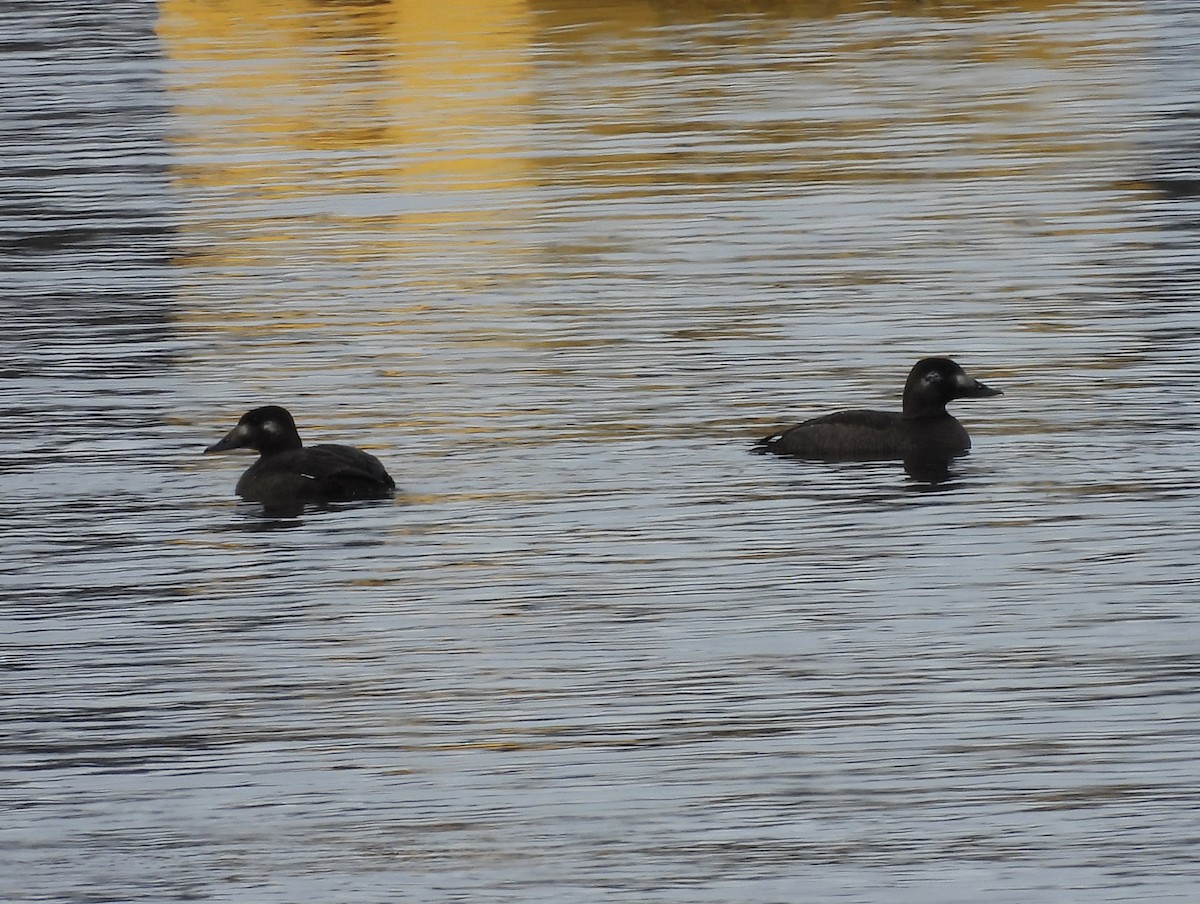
(273, 427)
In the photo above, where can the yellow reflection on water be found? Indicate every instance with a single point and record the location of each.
(626, 13)
(411, 119)
(415, 140)
(372, 112)
(463, 73)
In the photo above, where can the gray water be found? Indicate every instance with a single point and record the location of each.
(558, 266)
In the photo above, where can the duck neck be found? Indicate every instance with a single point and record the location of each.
(277, 444)
(918, 410)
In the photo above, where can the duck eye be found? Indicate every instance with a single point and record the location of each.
(933, 376)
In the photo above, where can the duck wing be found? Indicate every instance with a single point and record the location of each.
(843, 435)
(344, 472)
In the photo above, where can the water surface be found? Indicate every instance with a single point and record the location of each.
(559, 265)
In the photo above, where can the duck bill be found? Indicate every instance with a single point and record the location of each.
(977, 390)
(237, 438)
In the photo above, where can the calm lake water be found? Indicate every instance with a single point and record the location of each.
(558, 265)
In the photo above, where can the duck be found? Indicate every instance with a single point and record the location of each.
(289, 475)
(921, 430)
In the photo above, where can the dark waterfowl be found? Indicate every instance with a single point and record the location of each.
(289, 475)
(921, 431)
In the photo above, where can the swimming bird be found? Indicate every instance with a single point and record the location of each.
(922, 430)
(289, 475)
